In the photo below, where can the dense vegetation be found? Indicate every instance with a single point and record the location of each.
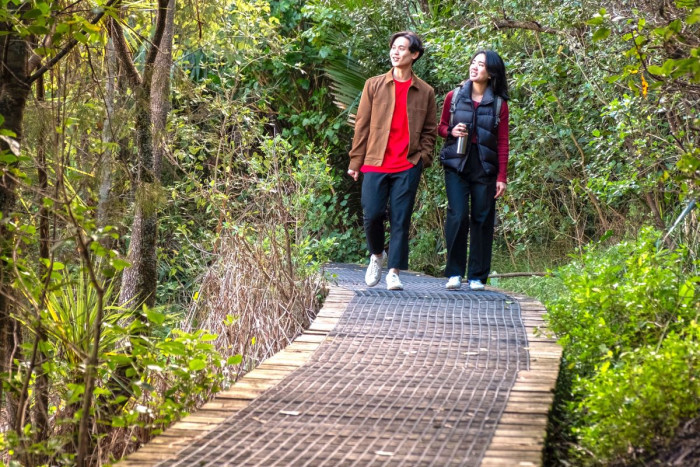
(173, 183)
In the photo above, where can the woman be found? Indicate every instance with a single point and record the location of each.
(395, 132)
(478, 173)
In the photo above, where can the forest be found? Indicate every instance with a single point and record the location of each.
(173, 182)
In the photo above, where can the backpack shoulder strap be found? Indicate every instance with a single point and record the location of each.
(499, 102)
(453, 104)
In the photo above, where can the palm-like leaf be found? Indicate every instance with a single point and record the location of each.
(347, 80)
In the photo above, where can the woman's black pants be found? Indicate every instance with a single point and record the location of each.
(471, 207)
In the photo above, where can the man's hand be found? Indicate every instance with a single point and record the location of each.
(354, 174)
(500, 189)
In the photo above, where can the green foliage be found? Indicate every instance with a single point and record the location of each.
(52, 19)
(427, 244)
(303, 198)
(628, 325)
(634, 408)
(177, 374)
(628, 296)
(69, 319)
(672, 73)
(603, 121)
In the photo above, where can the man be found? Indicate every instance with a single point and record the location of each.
(395, 131)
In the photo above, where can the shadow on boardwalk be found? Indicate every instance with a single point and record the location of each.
(422, 376)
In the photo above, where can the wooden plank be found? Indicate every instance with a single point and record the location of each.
(520, 433)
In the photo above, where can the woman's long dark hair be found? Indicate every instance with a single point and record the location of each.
(497, 73)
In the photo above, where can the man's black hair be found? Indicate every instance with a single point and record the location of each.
(416, 45)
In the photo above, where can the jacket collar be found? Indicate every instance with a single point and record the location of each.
(486, 99)
(389, 77)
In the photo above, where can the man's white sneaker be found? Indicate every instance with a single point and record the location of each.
(374, 270)
(476, 285)
(393, 282)
(454, 283)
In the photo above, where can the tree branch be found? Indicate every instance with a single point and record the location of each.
(520, 274)
(158, 33)
(121, 48)
(69, 46)
(531, 25)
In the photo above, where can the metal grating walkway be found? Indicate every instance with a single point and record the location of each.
(416, 377)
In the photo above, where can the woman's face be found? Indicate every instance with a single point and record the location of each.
(477, 70)
(400, 54)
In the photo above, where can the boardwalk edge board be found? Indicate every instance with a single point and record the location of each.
(520, 433)
(226, 403)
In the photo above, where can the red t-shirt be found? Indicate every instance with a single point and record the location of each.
(396, 154)
(501, 134)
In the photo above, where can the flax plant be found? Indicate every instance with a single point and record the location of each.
(70, 315)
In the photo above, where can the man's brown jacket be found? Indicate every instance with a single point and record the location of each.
(373, 121)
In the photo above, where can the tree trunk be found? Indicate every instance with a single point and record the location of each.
(140, 280)
(160, 92)
(108, 136)
(41, 389)
(13, 99)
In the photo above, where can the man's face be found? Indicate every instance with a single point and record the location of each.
(400, 54)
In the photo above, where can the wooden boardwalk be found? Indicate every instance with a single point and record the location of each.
(366, 385)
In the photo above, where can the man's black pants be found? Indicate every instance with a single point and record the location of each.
(399, 191)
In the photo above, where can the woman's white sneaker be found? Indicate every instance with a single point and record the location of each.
(454, 283)
(393, 282)
(476, 285)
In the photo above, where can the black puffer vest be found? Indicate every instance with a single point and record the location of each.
(484, 125)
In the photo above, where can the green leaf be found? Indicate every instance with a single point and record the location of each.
(197, 364)
(235, 360)
(155, 317)
(80, 37)
(33, 13)
(601, 34)
(173, 348)
(8, 158)
(101, 392)
(44, 7)
(38, 29)
(118, 359)
(694, 17)
(120, 264)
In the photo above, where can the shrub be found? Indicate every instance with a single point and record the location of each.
(637, 405)
(620, 299)
(628, 325)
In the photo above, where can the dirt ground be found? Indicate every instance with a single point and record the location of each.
(684, 450)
